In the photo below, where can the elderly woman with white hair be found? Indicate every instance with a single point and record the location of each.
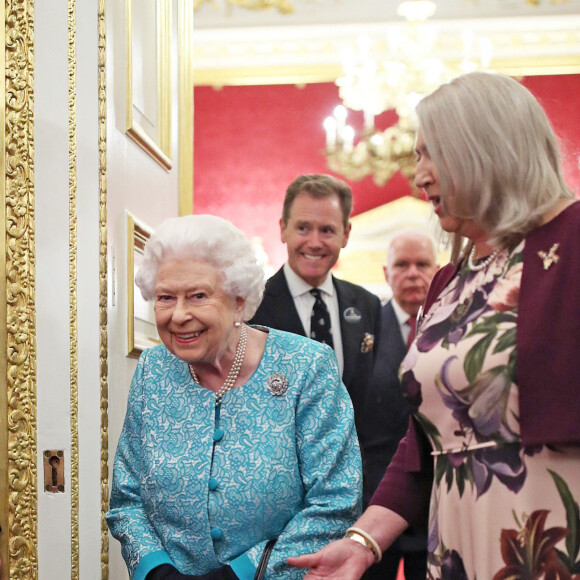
(235, 436)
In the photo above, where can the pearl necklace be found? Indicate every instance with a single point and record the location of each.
(234, 371)
(482, 265)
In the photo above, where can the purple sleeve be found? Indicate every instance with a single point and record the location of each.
(406, 485)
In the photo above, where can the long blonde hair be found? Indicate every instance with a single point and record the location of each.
(495, 152)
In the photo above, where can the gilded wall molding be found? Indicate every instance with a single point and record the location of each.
(73, 311)
(103, 288)
(3, 285)
(185, 105)
(313, 54)
(283, 6)
(22, 561)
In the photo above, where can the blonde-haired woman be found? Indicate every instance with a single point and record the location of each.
(492, 455)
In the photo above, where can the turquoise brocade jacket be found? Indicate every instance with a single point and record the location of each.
(199, 487)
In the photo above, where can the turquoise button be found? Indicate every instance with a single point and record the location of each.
(216, 534)
(212, 483)
(218, 434)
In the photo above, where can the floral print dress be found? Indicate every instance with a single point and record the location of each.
(498, 510)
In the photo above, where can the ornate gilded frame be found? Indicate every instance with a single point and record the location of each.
(141, 330)
(73, 313)
(18, 401)
(103, 286)
(284, 6)
(4, 487)
(185, 104)
(149, 127)
(302, 75)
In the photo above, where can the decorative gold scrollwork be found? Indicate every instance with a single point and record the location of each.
(283, 6)
(103, 340)
(20, 291)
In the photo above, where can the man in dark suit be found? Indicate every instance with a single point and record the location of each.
(411, 265)
(315, 226)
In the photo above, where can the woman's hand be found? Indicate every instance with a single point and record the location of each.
(347, 559)
(341, 560)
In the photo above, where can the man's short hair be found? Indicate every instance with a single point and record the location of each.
(319, 185)
(410, 233)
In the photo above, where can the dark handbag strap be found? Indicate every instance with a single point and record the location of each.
(263, 564)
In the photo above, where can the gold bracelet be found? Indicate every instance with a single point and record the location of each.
(366, 540)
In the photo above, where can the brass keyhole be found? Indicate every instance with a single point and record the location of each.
(54, 471)
(54, 461)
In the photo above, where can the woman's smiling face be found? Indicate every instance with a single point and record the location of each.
(194, 316)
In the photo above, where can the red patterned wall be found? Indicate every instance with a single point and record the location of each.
(251, 142)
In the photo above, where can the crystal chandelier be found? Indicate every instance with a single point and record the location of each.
(397, 82)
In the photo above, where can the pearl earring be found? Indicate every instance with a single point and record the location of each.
(237, 324)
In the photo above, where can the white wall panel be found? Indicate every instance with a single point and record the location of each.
(135, 182)
(52, 278)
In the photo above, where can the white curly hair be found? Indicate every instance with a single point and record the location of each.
(213, 240)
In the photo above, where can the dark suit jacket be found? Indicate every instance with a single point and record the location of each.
(385, 410)
(386, 416)
(277, 310)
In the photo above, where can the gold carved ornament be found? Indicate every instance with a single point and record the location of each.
(22, 561)
(283, 6)
(103, 287)
(73, 302)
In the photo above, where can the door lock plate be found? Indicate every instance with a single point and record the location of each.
(54, 471)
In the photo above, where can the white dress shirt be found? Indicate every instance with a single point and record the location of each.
(403, 319)
(304, 301)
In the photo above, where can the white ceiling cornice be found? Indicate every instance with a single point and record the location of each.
(278, 54)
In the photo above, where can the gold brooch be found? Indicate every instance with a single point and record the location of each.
(367, 342)
(551, 257)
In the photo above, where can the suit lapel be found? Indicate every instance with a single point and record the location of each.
(350, 333)
(283, 309)
(391, 337)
